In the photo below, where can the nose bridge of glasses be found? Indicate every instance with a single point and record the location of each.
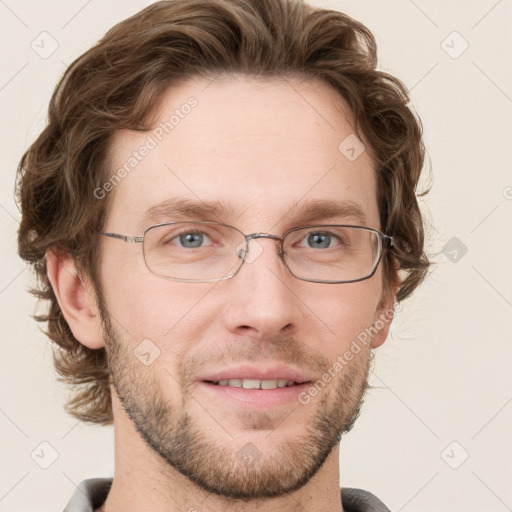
(243, 252)
(262, 235)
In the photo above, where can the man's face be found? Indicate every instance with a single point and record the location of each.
(265, 149)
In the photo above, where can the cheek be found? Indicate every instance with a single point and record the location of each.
(346, 314)
(149, 307)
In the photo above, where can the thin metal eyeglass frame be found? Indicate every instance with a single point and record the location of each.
(385, 242)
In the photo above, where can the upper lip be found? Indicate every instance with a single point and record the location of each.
(258, 373)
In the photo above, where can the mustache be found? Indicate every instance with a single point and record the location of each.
(282, 349)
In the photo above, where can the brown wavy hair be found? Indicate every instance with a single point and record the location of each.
(117, 84)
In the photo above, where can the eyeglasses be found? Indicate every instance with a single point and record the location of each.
(203, 251)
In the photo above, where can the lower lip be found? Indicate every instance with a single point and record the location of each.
(256, 397)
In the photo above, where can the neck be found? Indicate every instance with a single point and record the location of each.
(144, 481)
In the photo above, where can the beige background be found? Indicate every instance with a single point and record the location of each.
(443, 376)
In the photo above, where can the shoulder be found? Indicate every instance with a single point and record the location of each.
(89, 495)
(358, 500)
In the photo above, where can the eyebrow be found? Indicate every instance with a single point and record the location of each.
(322, 209)
(304, 212)
(180, 208)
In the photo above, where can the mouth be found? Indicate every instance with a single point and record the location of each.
(255, 388)
(253, 394)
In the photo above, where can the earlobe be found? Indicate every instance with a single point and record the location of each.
(76, 300)
(386, 308)
(383, 319)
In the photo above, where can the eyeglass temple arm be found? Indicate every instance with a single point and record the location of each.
(388, 240)
(124, 238)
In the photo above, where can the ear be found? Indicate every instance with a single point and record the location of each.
(385, 312)
(76, 299)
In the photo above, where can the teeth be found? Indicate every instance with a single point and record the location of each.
(256, 383)
(269, 384)
(251, 384)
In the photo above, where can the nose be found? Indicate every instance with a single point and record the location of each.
(260, 299)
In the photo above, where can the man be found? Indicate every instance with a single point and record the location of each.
(222, 214)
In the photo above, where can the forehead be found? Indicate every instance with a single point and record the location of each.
(260, 149)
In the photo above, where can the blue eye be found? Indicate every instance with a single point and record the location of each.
(321, 240)
(190, 239)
